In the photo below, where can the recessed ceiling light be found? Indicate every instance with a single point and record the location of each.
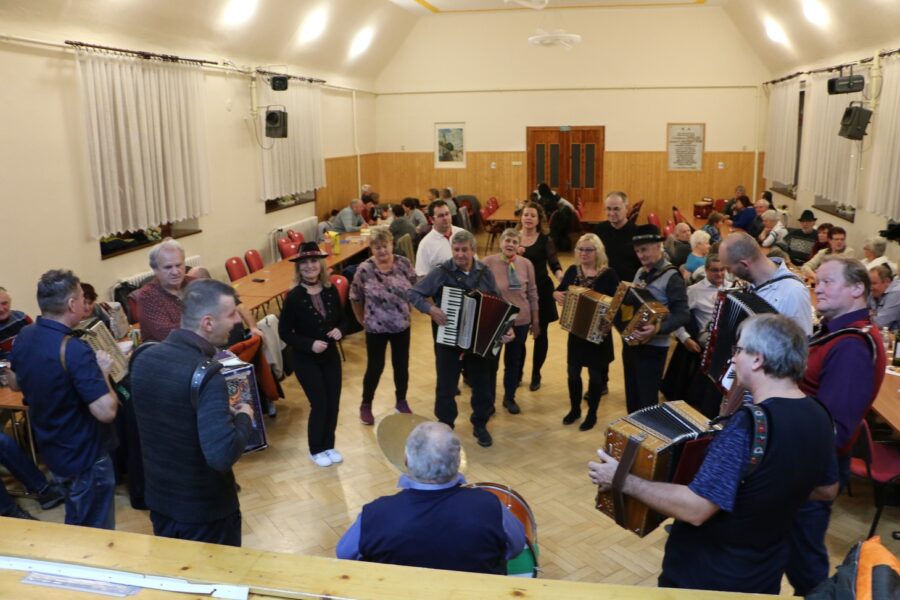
(313, 25)
(816, 13)
(238, 12)
(361, 41)
(775, 32)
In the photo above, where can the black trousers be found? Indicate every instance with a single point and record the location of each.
(225, 531)
(478, 370)
(598, 376)
(643, 368)
(541, 348)
(376, 346)
(321, 382)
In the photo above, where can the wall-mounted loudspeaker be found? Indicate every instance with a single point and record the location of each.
(854, 122)
(279, 83)
(276, 123)
(846, 85)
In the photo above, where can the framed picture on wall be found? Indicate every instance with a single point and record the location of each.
(685, 143)
(449, 145)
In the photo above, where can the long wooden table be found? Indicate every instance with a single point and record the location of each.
(277, 575)
(593, 212)
(257, 289)
(13, 402)
(887, 403)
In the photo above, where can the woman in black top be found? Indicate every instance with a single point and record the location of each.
(591, 270)
(537, 247)
(311, 324)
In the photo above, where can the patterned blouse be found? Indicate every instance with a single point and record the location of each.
(384, 295)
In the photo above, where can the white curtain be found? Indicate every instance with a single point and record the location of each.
(146, 148)
(294, 164)
(781, 137)
(884, 174)
(829, 164)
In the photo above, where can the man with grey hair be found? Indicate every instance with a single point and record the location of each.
(769, 278)
(732, 519)
(348, 218)
(844, 372)
(678, 246)
(159, 304)
(874, 253)
(616, 233)
(885, 299)
(464, 272)
(435, 522)
(190, 434)
(70, 402)
(774, 231)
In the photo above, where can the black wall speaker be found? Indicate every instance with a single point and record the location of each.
(854, 122)
(276, 123)
(846, 85)
(279, 83)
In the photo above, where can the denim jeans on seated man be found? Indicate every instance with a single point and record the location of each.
(90, 496)
(20, 466)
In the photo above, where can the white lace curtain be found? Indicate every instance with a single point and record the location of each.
(884, 174)
(294, 164)
(146, 148)
(781, 137)
(829, 164)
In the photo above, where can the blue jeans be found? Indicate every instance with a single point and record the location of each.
(90, 496)
(17, 462)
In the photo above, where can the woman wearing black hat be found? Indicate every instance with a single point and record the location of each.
(311, 324)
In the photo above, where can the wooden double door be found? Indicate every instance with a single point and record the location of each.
(569, 159)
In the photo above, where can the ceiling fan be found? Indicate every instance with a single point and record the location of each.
(557, 37)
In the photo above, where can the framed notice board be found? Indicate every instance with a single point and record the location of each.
(684, 145)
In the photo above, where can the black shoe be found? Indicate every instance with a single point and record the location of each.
(17, 512)
(512, 407)
(51, 496)
(572, 416)
(535, 384)
(588, 423)
(586, 396)
(483, 436)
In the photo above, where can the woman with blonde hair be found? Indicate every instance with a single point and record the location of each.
(591, 270)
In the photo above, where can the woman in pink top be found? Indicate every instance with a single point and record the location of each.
(515, 280)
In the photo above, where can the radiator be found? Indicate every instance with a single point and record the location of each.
(138, 279)
(306, 227)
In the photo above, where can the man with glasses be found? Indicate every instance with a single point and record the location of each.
(616, 233)
(731, 521)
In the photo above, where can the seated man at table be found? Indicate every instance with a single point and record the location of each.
(837, 245)
(11, 323)
(885, 300)
(415, 216)
(732, 520)
(435, 522)
(159, 304)
(348, 218)
(800, 241)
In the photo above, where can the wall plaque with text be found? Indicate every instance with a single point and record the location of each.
(684, 143)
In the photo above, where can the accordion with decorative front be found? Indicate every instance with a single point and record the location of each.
(587, 313)
(645, 309)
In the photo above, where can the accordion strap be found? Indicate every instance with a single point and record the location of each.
(618, 482)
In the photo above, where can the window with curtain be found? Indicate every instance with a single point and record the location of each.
(781, 136)
(884, 173)
(295, 164)
(144, 124)
(829, 164)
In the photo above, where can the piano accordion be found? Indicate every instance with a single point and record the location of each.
(652, 443)
(586, 312)
(97, 335)
(732, 308)
(645, 309)
(475, 321)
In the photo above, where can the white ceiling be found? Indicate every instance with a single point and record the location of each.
(421, 7)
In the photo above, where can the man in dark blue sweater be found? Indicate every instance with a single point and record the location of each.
(435, 522)
(189, 447)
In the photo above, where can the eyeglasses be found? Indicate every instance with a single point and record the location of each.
(586, 249)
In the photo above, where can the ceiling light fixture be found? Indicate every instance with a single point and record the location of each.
(816, 13)
(557, 37)
(313, 25)
(535, 4)
(361, 42)
(775, 32)
(238, 12)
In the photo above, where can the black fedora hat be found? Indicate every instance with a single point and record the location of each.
(646, 234)
(309, 250)
(807, 215)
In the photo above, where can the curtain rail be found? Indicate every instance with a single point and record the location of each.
(839, 67)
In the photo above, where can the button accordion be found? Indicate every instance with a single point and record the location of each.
(586, 313)
(642, 308)
(475, 321)
(653, 443)
(96, 334)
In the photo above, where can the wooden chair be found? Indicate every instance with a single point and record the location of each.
(343, 289)
(880, 464)
(235, 268)
(254, 260)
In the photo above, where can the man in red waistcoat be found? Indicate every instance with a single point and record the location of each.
(845, 369)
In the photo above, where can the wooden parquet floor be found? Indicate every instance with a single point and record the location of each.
(291, 505)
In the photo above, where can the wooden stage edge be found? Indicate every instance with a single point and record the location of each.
(276, 575)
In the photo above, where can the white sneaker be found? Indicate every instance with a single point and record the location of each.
(321, 459)
(334, 456)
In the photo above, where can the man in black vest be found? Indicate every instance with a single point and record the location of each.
(435, 522)
(190, 440)
(732, 520)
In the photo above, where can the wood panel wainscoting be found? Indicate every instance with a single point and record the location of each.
(396, 175)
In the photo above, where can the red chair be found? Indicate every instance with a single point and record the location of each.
(635, 211)
(287, 248)
(235, 267)
(492, 228)
(878, 463)
(670, 228)
(654, 220)
(677, 217)
(719, 205)
(295, 236)
(134, 315)
(254, 260)
(493, 204)
(343, 289)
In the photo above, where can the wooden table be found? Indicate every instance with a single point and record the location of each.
(593, 212)
(887, 403)
(256, 289)
(277, 575)
(13, 402)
